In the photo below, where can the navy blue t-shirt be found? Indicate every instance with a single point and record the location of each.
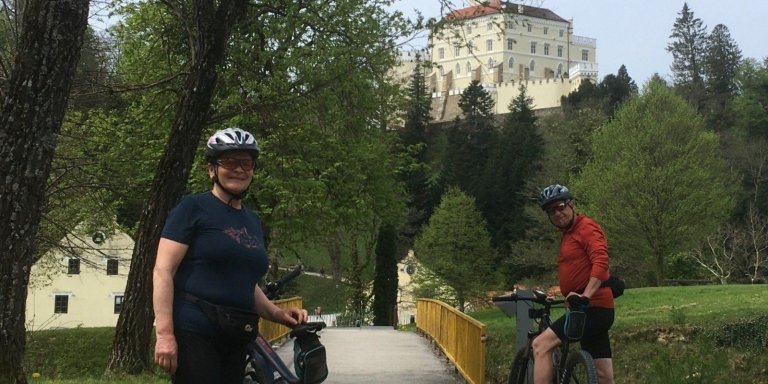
(225, 260)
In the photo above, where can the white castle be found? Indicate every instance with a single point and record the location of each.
(501, 45)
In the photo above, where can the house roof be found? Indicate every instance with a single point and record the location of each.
(497, 6)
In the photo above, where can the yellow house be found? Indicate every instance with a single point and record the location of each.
(82, 285)
(502, 45)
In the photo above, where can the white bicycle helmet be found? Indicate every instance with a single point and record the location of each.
(552, 193)
(231, 139)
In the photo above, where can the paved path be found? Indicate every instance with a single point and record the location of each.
(378, 355)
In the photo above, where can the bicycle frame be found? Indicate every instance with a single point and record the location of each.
(263, 365)
(542, 317)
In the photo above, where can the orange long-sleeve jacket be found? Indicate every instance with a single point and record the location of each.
(583, 254)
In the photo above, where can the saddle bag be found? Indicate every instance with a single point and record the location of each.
(309, 356)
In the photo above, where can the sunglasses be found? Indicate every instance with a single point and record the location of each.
(558, 207)
(232, 164)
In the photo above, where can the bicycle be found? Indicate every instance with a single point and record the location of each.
(579, 367)
(263, 365)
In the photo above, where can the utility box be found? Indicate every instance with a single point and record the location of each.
(519, 310)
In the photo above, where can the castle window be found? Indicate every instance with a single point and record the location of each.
(532, 66)
(441, 53)
(560, 69)
(458, 68)
(119, 300)
(73, 266)
(530, 27)
(585, 54)
(510, 44)
(533, 47)
(489, 45)
(112, 266)
(546, 49)
(61, 304)
(546, 30)
(511, 63)
(456, 51)
(559, 51)
(489, 26)
(561, 33)
(469, 68)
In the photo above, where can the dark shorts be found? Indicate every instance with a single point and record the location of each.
(596, 326)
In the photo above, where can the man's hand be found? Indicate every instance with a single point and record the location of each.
(291, 316)
(576, 300)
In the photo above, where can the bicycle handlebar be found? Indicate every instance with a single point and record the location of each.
(271, 289)
(540, 297)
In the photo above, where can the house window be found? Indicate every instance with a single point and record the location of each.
(61, 304)
(457, 51)
(533, 47)
(546, 49)
(111, 266)
(73, 266)
(441, 53)
(489, 45)
(561, 33)
(119, 299)
(559, 51)
(530, 27)
(510, 44)
(532, 67)
(458, 68)
(585, 54)
(469, 68)
(546, 30)
(511, 63)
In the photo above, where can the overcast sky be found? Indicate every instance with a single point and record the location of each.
(636, 32)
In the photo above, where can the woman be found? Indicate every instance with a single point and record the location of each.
(212, 251)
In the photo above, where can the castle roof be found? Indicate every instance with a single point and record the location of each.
(497, 6)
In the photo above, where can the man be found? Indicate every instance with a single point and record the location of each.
(582, 267)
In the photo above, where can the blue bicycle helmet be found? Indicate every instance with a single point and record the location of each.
(552, 193)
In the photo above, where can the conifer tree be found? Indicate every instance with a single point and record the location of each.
(721, 62)
(688, 47)
(385, 280)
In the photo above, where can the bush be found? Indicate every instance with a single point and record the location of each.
(748, 334)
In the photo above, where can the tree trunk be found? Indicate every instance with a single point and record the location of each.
(33, 110)
(131, 349)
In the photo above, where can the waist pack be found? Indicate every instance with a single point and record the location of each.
(236, 325)
(309, 360)
(616, 284)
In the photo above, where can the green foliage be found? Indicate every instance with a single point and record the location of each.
(657, 182)
(456, 246)
(515, 156)
(750, 334)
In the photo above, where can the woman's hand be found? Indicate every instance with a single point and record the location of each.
(166, 353)
(292, 316)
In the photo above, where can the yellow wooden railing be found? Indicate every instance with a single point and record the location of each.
(461, 337)
(274, 331)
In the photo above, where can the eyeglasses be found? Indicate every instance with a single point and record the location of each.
(232, 164)
(557, 207)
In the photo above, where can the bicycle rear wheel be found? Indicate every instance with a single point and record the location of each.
(522, 368)
(579, 369)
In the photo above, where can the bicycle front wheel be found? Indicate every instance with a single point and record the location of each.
(579, 369)
(522, 368)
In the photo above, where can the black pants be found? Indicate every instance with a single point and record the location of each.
(208, 360)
